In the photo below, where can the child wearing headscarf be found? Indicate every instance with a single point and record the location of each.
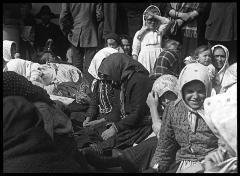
(185, 139)
(147, 42)
(220, 62)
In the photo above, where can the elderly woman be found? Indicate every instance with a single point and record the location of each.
(135, 125)
(185, 139)
(220, 62)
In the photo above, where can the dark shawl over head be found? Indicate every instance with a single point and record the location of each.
(27, 148)
(119, 67)
(17, 85)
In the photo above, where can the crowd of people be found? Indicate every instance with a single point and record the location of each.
(100, 91)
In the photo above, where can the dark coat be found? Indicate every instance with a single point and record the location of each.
(78, 21)
(222, 22)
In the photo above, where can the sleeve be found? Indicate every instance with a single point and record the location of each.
(164, 26)
(167, 145)
(139, 92)
(168, 8)
(201, 8)
(136, 45)
(93, 106)
(65, 19)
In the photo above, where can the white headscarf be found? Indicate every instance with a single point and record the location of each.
(221, 117)
(220, 73)
(153, 9)
(20, 66)
(191, 72)
(97, 60)
(229, 78)
(7, 45)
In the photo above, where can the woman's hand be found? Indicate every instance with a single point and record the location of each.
(152, 100)
(86, 122)
(156, 126)
(179, 22)
(214, 158)
(184, 16)
(108, 133)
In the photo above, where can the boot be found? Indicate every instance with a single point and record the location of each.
(125, 162)
(101, 162)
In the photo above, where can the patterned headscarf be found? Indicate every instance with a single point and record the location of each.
(7, 45)
(166, 83)
(221, 117)
(220, 73)
(191, 72)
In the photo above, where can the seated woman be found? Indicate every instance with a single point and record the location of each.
(135, 125)
(221, 117)
(185, 139)
(220, 62)
(102, 92)
(137, 158)
(55, 121)
(27, 148)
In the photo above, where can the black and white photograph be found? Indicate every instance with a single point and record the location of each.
(120, 87)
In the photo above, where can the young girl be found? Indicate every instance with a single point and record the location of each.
(113, 41)
(147, 42)
(202, 55)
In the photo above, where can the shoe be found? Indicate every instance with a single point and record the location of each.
(126, 163)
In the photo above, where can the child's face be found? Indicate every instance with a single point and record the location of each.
(151, 23)
(112, 43)
(167, 97)
(204, 57)
(126, 46)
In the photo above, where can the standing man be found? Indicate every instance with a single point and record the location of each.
(221, 27)
(78, 22)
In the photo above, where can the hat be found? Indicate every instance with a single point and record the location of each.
(46, 10)
(113, 36)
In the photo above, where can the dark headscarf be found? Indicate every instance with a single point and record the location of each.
(119, 67)
(17, 85)
(27, 148)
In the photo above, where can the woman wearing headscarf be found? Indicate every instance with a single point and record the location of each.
(27, 148)
(9, 51)
(185, 139)
(147, 42)
(132, 79)
(220, 62)
(55, 121)
(221, 117)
